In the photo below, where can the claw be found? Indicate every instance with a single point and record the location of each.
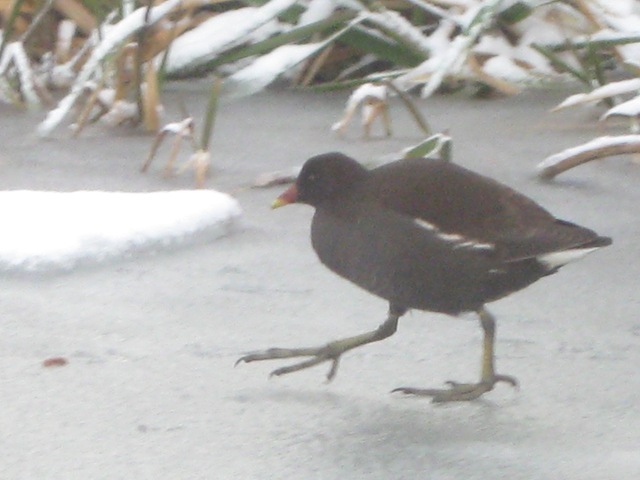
(334, 369)
(458, 392)
(513, 381)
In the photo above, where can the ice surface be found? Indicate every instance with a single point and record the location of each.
(55, 230)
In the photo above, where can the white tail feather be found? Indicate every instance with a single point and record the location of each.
(557, 259)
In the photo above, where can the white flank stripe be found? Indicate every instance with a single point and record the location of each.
(557, 259)
(424, 224)
(457, 240)
(476, 245)
(451, 237)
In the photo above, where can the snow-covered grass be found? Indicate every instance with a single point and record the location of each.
(594, 149)
(505, 44)
(56, 231)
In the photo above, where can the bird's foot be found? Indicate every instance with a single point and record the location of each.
(330, 352)
(459, 392)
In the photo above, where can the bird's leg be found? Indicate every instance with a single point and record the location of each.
(330, 352)
(459, 392)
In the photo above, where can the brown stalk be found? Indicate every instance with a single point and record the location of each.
(76, 11)
(83, 116)
(586, 156)
(315, 65)
(500, 85)
(150, 99)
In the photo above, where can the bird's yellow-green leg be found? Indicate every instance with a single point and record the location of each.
(460, 392)
(331, 352)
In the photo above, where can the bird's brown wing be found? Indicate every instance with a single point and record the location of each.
(457, 201)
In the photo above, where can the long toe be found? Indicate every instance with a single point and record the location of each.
(513, 381)
(317, 355)
(278, 353)
(330, 352)
(458, 392)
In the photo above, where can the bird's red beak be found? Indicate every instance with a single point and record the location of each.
(290, 195)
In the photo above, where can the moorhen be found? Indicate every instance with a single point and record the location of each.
(428, 235)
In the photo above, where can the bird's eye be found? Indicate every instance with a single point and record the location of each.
(313, 177)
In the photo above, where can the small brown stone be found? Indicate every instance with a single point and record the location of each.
(55, 362)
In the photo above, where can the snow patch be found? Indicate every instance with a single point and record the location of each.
(265, 69)
(224, 31)
(630, 108)
(506, 69)
(317, 11)
(56, 230)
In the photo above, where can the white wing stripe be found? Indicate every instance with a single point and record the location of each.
(457, 240)
(424, 224)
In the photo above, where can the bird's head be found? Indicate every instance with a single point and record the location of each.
(322, 179)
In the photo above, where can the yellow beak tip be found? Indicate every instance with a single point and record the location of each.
(278, 202)
(288, 196)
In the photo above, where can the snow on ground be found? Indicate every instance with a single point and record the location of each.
(56, 230)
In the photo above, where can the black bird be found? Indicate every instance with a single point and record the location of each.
(428, 235)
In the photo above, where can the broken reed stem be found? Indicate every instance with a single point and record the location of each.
(210, 114)
(549, 172)
(502, 86)
(9, 25)
(152, 153)
(413, 110)
(151, 99)
(139, 75)
(315, 65)
(36, 20)
(83, 116)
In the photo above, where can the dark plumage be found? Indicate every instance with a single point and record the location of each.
(428, 235)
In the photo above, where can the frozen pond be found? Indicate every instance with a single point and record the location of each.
(150, 390)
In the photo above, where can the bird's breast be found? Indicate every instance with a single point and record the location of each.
(392, 257)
